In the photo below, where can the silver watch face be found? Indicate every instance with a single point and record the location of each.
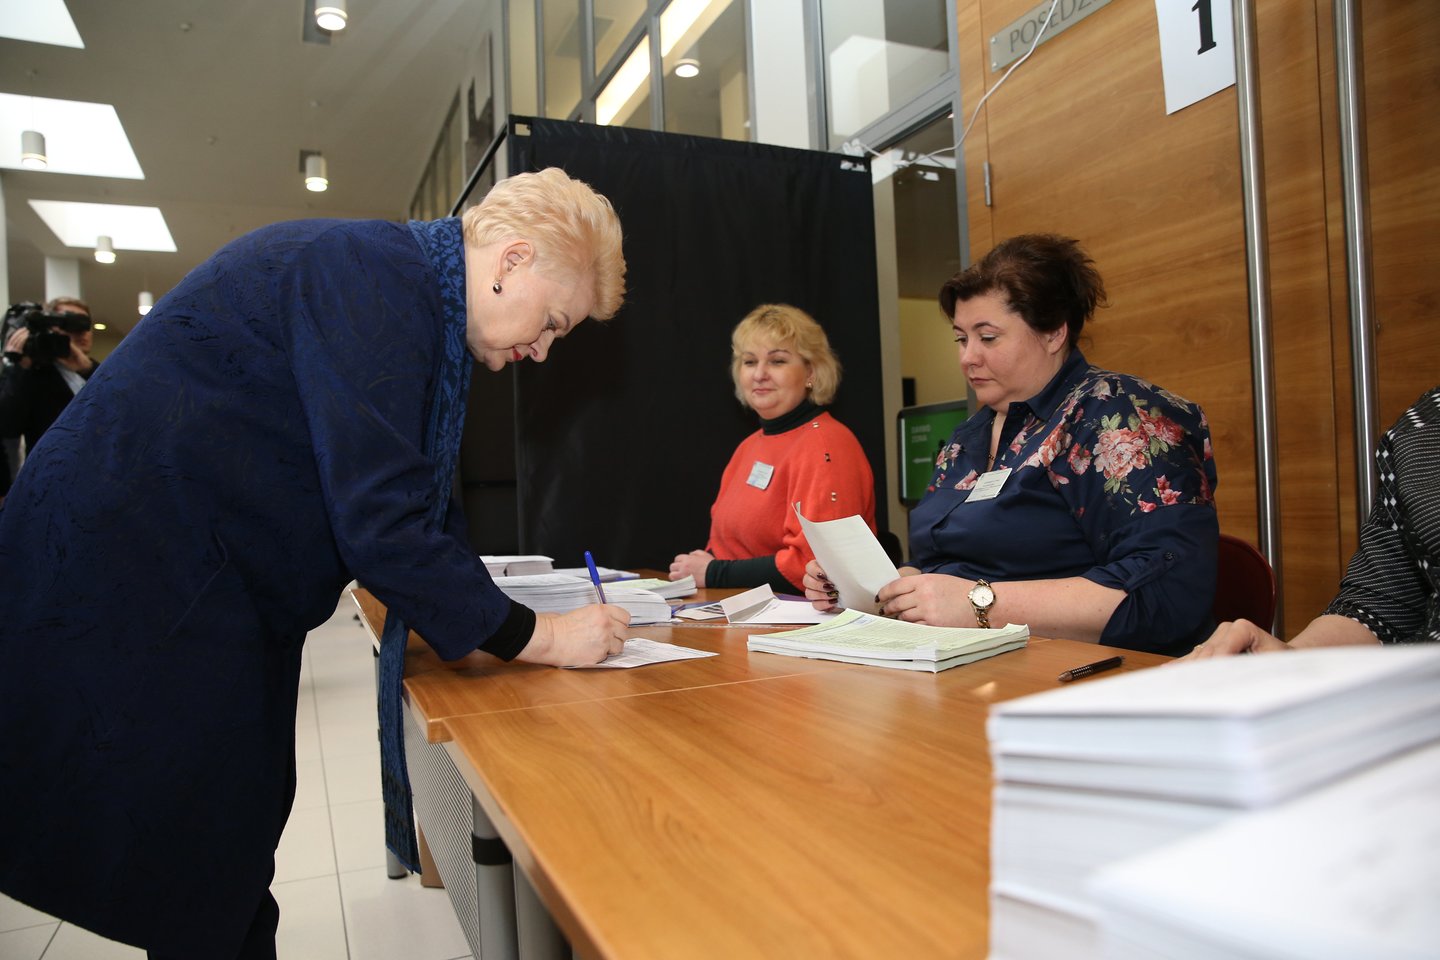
(981, 595)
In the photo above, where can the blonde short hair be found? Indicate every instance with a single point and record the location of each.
(794, 329)
(68, 304)
(573, 229)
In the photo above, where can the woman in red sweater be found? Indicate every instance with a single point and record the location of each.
(785, 371)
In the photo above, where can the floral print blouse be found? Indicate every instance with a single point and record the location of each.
(1110, 478)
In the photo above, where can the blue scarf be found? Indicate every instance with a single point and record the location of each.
(442, 243)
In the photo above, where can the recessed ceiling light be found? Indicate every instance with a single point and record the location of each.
(331, 15)
(131, 228)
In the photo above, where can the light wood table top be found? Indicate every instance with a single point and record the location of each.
(743, 805)
(436, 690)
(840, 813)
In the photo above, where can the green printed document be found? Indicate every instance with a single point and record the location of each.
(857, 637)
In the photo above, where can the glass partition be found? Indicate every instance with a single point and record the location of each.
(877, 56)
(562, 57)
(702, 46)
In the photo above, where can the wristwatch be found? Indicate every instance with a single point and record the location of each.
(982, 598)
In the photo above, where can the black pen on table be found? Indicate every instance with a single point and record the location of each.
(1090, 668)
(595, 578)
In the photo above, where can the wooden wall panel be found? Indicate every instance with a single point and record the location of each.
(1079, 143)
(1402, 100)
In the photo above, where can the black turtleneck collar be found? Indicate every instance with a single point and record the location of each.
(789, 421)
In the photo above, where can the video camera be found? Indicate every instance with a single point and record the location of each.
(45, 344)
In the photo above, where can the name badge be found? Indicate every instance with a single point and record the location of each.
(989, 485)
(760, 475)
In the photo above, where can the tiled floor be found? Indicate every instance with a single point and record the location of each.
(335, 901)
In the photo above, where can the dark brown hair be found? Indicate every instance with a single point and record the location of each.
(1047, 279)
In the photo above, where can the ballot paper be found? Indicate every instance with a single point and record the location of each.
(516, 566)
(851, 557)
(760, 605)
(856, 637)
(640, 652)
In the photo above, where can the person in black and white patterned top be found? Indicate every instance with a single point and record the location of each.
(1391, 590)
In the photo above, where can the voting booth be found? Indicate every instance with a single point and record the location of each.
(622, 434)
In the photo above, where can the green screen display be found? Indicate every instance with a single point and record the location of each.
(922, 431)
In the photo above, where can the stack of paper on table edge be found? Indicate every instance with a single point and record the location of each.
(607, 574)
(557, 593)
(856, 637)
(1349, 870)
(1089, 775)
(669, 589)
(516, 566)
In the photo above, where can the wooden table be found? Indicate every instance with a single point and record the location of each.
(744, 804)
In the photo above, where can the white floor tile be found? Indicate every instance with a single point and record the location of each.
(359, 834)
(27, 944)
(310, 786)
(307, 738)
(343, 738)
(312, 925)
(353, 778)
(14, 915)
(306, 849)
(348, 706)
(388, 918)
(73, 943)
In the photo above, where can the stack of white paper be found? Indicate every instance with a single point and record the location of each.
(856, 637)
(557, 593)
(1347, 871)
(669, 589)
(516, 566)
(1093, 774)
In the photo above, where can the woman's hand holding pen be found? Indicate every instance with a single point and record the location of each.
(587, 635)
(692, 563)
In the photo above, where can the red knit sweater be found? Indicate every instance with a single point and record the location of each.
(819, 464)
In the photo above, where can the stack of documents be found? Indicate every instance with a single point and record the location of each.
(669, 589)
(856, 637)
(557, 593)
(1092, 775)
(1349, 870)
(507, 566)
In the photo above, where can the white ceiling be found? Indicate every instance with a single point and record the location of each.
(218, 98)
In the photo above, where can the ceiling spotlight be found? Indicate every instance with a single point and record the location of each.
(330, 15)
(104, 249)
(32, 150)
(147, 300)
(99, 326)
(316, 179)
(687, 68)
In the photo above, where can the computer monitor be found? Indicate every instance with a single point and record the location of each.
(922, 431)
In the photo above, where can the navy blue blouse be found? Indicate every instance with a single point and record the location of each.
(1112, 479)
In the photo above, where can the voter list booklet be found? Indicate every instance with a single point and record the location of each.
(856, 637)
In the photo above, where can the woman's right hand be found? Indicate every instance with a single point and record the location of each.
(818, 589)
(583, 636)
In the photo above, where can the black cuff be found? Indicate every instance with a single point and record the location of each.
(512, 635)
(748, 573)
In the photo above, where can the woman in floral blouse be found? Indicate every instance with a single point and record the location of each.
(1078, 501)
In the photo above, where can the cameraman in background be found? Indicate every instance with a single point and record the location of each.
(48, 362)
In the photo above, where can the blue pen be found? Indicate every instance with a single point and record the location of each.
(595, 577)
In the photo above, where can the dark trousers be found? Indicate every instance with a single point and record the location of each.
(259, 939)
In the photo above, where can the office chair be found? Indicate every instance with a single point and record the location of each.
(1244, 585)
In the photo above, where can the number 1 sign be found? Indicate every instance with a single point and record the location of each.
(1197, 49)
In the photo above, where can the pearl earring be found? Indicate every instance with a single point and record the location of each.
(495, 286)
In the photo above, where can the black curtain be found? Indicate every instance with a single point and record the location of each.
(622, 434)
